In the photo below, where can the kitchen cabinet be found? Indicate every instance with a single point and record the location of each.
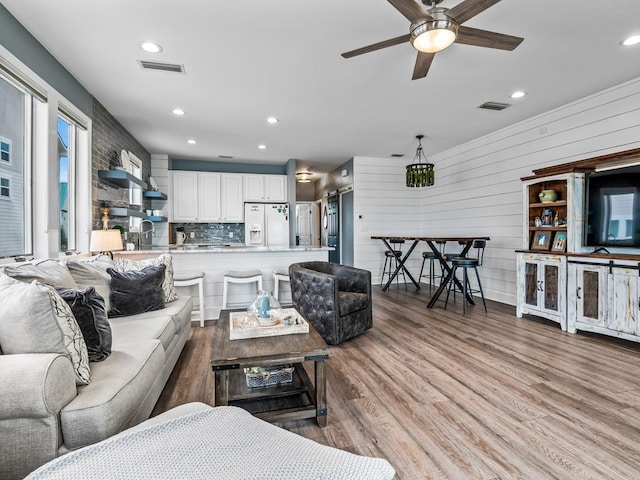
(603, 295)
(206, 197)
(265, 188)
(541, 286)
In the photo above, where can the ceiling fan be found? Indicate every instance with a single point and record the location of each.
(436, 28)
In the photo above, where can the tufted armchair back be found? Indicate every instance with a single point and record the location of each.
(335, 299)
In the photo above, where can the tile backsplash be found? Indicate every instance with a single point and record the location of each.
(210, 233)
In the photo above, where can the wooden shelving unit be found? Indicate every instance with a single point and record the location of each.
(125, 212)
(121, 179)
(154, 195)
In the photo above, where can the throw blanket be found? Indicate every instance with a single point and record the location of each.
(220, 443)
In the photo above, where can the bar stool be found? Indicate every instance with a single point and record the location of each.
(279, 275)
(391, 259)
(432, 270)
(245, 276)
(185, 279)
(465, 263)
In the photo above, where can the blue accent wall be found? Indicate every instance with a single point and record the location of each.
(225, 167)
(15, 38)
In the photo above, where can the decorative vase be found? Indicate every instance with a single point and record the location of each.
(548, 196)
(265, 307)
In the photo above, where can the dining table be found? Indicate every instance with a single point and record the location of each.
(432, 242)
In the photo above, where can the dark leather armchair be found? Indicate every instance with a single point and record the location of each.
(335, 299)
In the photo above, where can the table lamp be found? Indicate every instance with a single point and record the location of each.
(105, 241)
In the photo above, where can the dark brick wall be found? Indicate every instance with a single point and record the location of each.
(109, 137)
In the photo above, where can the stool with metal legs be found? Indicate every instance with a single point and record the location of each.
(465, 263)
(391, 260)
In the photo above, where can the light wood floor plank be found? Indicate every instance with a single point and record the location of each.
(447, 396)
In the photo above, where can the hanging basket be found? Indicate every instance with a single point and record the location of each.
(420, 175)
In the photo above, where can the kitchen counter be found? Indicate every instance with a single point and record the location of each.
(175, 249)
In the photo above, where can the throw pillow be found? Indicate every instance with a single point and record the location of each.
(92, 272)
(46, 271)
(136, 291)
(90, 313)
(35, 319)
(126, 265)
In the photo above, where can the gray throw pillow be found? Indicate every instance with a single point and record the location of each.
(35, 319)
(92, 272)
(126, 265)
(47, 271)
(90, 313)
(136, 291)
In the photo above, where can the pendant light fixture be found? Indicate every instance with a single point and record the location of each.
(435, 34)
(420, 174)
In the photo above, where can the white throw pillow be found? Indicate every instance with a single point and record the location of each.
(126, 265)
(92, 272)
(35, 319)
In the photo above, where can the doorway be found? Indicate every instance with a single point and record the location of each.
(333, 228)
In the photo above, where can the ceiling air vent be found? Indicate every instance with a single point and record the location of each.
(163, 67)
(225, 157)
(494, 106)
(397, 155)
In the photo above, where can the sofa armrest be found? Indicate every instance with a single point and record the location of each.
(35, 385)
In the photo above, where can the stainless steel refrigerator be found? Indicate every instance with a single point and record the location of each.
(266, 224)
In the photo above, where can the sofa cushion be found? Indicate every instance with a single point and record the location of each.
(179, 311)
(351, 302)
(105, 406)
(90, 313)
(92, 272)
(126, 265)
(35, 319)
(136, 291)
(47, 271)
(150, 325)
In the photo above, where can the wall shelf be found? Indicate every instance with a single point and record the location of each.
(125, 212)
(154, 195)
(156, 218)
(121, 179)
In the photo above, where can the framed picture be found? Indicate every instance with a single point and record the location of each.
(541, 240)
(559, 242)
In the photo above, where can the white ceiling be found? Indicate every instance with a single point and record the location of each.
(246, 60)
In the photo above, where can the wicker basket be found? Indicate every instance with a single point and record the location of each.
(268, 376)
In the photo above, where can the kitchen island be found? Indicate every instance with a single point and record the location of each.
(215, 260)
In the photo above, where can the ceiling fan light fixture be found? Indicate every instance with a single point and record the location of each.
(435, 35)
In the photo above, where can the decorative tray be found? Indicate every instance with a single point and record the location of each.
(245, 325)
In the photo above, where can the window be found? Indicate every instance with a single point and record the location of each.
(5, 150)
(15, 163)
(66, 185)
(135, 194)
(5, 188)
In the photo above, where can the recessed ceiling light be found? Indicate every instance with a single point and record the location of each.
(262, 147)
(151, 47)
(518, 94)
(191, 141)
(272, 120)
(632, 40)
(178, 111)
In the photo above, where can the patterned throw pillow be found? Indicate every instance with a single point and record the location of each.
(35, 319)
(90, 313)
(126, 265)
(137, 291)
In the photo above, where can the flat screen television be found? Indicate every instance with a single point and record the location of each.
(613, 208)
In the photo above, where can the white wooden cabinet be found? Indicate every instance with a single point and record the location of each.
(265, 188)
(206, 197)
(603, 296)
(541, 286)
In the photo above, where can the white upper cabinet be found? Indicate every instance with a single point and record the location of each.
(184, 196)
(231, 198)
(206, 197)
(209, 192)
(265, 188)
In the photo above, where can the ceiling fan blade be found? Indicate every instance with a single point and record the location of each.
(410, 9)
(484, 38)
(423, 62)
(469, 9)
(378, 46)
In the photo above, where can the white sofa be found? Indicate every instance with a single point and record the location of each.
(44, 414)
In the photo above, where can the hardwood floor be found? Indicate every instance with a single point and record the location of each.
(482, 396)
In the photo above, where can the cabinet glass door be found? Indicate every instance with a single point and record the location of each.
(550, 287)
(531, 285)
(591, 294)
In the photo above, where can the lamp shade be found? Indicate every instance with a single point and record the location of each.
(105, 241)
(434, 36)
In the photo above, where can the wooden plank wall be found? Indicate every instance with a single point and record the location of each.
(160, 173)
(478, 189)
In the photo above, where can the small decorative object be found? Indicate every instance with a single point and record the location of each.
(556, 220)
(559, 242)
(547, 217)
(548, 196)
(105, 218)
(268, 376)
(153, 183)
(537, 222)
(541, 240)
(266, 308)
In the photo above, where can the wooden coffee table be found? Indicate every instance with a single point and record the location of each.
(299, 399)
